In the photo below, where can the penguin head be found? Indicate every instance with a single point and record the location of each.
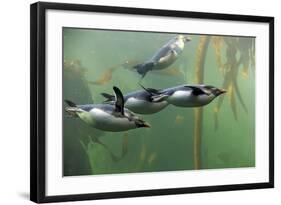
(213, 90)
(219, 91)
(183, 38)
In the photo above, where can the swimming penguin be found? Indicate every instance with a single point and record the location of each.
(164, 57)
(107, 117)
(146, 101)
(191, 95)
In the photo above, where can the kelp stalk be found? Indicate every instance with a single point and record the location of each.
(198, 112)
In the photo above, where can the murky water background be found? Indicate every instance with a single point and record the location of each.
(94, 63)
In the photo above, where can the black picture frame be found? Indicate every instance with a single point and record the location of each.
(38, 100)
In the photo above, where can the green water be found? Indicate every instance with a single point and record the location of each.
(168, 144)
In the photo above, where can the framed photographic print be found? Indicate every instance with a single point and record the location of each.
(129, 102)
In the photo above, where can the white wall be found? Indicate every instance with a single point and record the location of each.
(14, 101)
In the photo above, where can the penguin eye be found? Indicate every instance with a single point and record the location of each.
(217, 91)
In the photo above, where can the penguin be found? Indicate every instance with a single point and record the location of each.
(107, 117)
(190, 95)
(164, 57)
(146, 101)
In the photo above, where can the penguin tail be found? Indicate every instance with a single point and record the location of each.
(70, 103)
(108, 97)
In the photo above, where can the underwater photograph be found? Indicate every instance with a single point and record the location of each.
(139, 101)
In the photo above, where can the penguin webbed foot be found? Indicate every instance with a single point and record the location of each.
(143, 74)
(143, 68)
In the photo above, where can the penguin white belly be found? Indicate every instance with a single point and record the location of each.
(186, 99)
(144, 107)
(166, 61)
(104, 121)
(176, 49)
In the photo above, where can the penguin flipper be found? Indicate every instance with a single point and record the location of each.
(119, 100)
(151, 91)
(159, 98)
(108, 97)
(69, 103)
